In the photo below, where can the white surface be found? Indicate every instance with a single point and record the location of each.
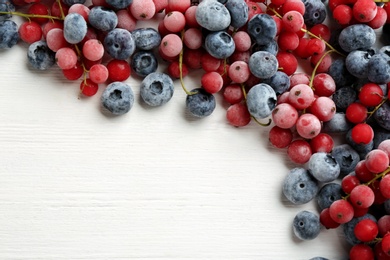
(152, 184)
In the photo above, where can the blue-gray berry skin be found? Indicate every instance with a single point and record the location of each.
(280, 82)
(261, 100)
(323, 167)
(102, 18)
(361, 149)
(357, 37)
(346, 157)
(146, 38)
(337, 125)
(299, 186)
(343, 97)
(271, 47)
(119, 4)
(6, 6)
(238, 10)
(262, 28)
(72, 2)
(143, 63)
(263, 64)
(213, 15)
(40, 56)
(9, 35)
(348, 229)
(387, 206)
(328, 193)
(118, 98)
(318, 258)
(380, 134)
(306, 225)
(382, 116)
(200, 103)
(157, 89)
(75, 28)
(379, 68)
(220, 44)
(340, 74)
(357, 62)
(119, 43)
(315, 12)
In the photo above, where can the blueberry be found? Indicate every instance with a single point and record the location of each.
(315, 12)
(280, 82)
(102, 18)
(299, 186)
(361, 149)
(357, 37)
(146, 38)
(9, 34)
(119, 4)
(40, 56)
(213, 15)
(382, 116)
(75, 28)
(343, 97)
(238, 10)
(118, 98)
(219, 44)
(261, 100)
(338, 124)
(328, 193)
(143, 63)
(357, 62)
(346, 157)
(72, 2)
(119, 43)
(385, 35)
(200, 103)
(157, 89)
(323, 167)
(263, 64)
(379, 68)
(341, 76)
(387, 206)
(306, 225)
(272, 47)
(262, 28)
(6, 6)
(380, 134)
(318, 258)
(348, 229)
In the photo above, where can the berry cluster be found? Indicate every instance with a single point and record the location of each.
(249, 53)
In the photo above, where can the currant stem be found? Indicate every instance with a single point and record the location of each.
(316, 67)
(61, 9)
(28, 16)
(371, 113)
(181, 69)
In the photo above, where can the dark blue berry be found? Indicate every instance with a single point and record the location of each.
(212, 15)
(323, 167)
(200, 103)
(238, 10)
(380, 134)
(261, 100)
(146, 38)
(6, 6)
(328, 193)
(157, 89)
(119, 4)
(357, 62)
(343, 97)
(219, 44)
(40, 56)
(118, 98)
(75, 28)
(272, 47)
(382, 116)
(280, 82)
(299, 186)
(102, 18)
(315, 12)
(306, 225)
(337, 125)
(9, 34)
(341, 76)
(357, 37)
(72, 2)
(346, 157)
(143, 63)
(263, 64)
(119, 43)
(379, 68)
(262, 29)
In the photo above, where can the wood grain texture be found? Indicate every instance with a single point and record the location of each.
(152, 184)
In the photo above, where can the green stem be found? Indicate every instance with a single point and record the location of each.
(316, 67)
(28, 16)
(371, 113)
(181, 69)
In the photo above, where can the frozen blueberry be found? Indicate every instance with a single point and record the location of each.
(263, 64)
(200, 103)
(157, 89)
(315, 12)
(299, 186)
(379, 68)
(380, 134)
(357, 62)
(119, 4)
(357, 37)
(9, 34)
(143, 63)
(343, 97)
(119, 43)
(306, 225)
(280, 82)
(261, 100)
(387, 206)
(341, 76)
(146, 38)
(213, 15)
(337, 125)
(6, 6)
(102, 18)
(40, 56)
(318, 258)
(238, 10)
(262, 29)
(348, 229)
(382, 116)
(328, 193)
(75, 28)
(219, 44)
(118, 98)
(346, 157)
(323, 167)
(272, 47)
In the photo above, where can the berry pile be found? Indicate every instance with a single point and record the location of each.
(249, 52)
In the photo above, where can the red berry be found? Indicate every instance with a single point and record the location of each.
(366, 230)
(362, 133)
(88, 87)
